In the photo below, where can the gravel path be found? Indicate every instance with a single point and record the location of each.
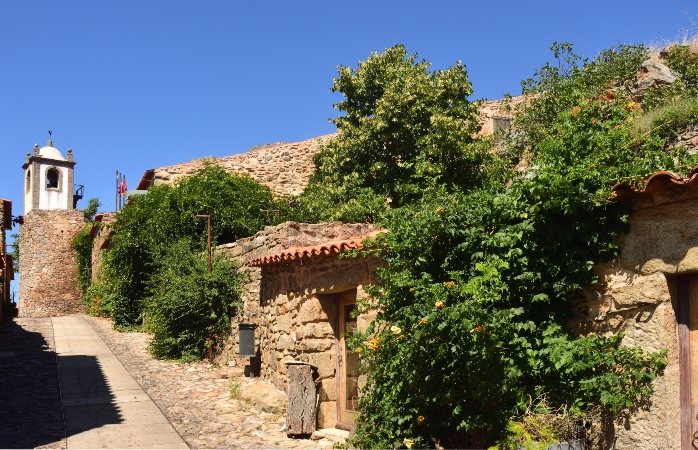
(195, 397)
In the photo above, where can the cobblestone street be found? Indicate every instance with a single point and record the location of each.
(194, 397)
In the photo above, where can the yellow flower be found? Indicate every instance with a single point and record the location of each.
(359, 350)
(439, 210)
(477, 329)
(449, 284)
(439, 304)
(395, 329)
(630, 106)
(409, 443)
(423, 321)
(415, 215)
(420, 419)
(373, 343)
(412, 289)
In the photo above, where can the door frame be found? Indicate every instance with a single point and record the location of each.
(342, 299)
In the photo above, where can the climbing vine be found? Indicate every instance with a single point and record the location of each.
(474, 300)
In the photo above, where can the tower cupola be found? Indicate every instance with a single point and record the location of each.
(48, 179)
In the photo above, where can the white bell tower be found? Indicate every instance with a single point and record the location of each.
(48, 179)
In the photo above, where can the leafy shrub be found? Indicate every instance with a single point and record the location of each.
(82, 244)
(149, 224)
(476, 284)
(188, 309)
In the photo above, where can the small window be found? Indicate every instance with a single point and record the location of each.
(51, 179)
(501, 124)
(29, 180)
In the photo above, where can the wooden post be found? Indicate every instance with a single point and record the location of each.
(301, 411)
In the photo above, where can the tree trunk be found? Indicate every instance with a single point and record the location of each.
(301, 413)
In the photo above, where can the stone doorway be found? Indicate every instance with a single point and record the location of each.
(347, 362)
(687, 318)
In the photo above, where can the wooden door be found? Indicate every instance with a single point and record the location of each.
(348, 361)
(687, 318)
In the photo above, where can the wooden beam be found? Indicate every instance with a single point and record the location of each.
(682, 317)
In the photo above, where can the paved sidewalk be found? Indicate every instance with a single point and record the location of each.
(104, 407)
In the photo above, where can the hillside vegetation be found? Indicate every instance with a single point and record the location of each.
(471, 331)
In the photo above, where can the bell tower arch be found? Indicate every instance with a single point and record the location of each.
(49, 179)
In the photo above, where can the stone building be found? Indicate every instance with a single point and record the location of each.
(650, 292)
(7, 270)
(301, 295)
(47, 270)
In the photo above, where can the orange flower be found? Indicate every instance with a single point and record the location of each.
(420, 419)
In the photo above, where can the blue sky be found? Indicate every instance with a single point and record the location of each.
(133, 85)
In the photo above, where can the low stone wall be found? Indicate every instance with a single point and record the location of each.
(284, 167)
(294, 303)
(637, 295)
(47, 270)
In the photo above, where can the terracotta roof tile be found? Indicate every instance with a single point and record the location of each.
(656, 183)
(314, 251)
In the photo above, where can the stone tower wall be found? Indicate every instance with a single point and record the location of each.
(47, 270)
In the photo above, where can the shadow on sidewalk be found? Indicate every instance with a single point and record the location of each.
(31, 413)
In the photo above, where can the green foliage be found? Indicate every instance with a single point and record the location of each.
(82, 244)
(92, 206)
(188, 309)
(15, 251)
(476, 285)
(96, 298)
(150, 224)
(403, 129)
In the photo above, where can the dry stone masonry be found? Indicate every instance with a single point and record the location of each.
(284, 167)
(295, 306)
(47, 268)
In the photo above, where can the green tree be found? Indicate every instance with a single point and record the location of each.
(149, 224)
(92, 206)
(476, 284)
(15, 251)
(404, 129)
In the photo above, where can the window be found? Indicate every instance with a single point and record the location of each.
(52, 178)
(501, 124)
(29, 180)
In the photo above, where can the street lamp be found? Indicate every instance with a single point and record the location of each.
(208, 217)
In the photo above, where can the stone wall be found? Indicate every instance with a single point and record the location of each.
(637, 295)
(5, 283)
(688, 139)
(284, 167)
(99, 234)
(48, 284)
(294, 303)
